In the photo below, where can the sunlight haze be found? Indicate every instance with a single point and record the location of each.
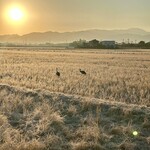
(74, 15)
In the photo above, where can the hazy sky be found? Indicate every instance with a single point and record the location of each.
(73, 15)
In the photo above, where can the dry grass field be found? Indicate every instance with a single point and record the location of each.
(96, 111)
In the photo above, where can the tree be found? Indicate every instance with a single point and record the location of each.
(94, 43)
(142, 43)
(79, 44)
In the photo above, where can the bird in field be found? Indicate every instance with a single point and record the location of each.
(82, 72)
(57, 72)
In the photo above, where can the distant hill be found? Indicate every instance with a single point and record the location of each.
(133, 34)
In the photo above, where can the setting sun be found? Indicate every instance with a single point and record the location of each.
(16, 14)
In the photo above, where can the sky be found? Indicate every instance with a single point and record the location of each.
(74, 15)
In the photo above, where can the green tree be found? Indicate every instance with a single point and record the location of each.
(142, 43)
(94, 43)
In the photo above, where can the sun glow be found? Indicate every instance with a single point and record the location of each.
(16, 14)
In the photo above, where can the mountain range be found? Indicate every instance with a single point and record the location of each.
(131, 35)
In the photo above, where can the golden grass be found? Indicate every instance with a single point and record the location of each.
(39, 111)
(120, 76)
(33, 119)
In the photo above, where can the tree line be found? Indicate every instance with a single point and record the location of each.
(99, 45)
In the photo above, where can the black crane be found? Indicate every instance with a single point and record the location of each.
(82, 72)
(57, 72)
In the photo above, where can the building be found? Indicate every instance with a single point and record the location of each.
(108, 44)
